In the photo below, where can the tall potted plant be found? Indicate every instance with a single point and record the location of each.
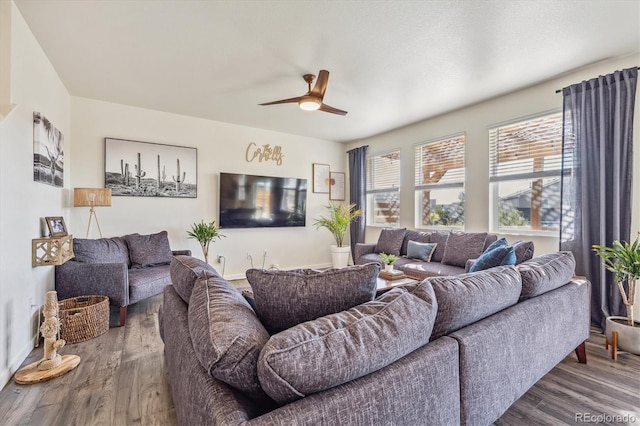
(337, 222)
(205, 233)
(623, 259)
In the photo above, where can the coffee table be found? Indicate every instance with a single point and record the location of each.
(386, 285)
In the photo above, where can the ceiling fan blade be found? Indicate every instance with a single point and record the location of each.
(283, 101)
(321, 84)
(332, 110)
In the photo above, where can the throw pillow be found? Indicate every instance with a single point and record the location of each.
(344, 346)
(390, 241)
(411, 235)
(185, 271)
(286, 298)
(422, 251)
(545, 273)
(498, 243)
(227, 335)
(498, 256)
(462, 246)
(102, 250)
(149, 250)
(524, 251)
(440, 238)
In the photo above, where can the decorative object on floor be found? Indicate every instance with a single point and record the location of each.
(338, 221)
(83, 318)
(388, 260)
(92, 197)
(52, 364)
(48, 152)
(321, 178)
(121, 156)
(51, 251)
(205, 233)
(56, 226)
(623, 260)
(312, 100)
(336, 191)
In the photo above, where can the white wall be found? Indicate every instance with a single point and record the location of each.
(474, 121)
(34, 86)
(221, 148)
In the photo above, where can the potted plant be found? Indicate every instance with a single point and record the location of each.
(337, 222)
(623, 259)
(388, 260)
(205, 233)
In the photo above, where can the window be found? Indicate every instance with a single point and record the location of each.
(383, 189)
(439, 183)
(525, 166)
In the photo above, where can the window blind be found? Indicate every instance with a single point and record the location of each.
(383, 172)
(440, 163)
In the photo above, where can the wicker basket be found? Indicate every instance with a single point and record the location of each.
(83, 318)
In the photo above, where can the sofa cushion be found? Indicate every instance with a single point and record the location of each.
(149, 250)
(286, 298)
(341, 347)
(147, 282)
(524, 251)
(467, 298)
(185, 271)
(102, 250)
(227, 335)
(411, 235)
(545, 273)
(440, 238)
(390, 241)
(421, 251)
(462, 246)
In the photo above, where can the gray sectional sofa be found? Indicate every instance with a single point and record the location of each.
(445, 351)
(126, 269)
(454, 252)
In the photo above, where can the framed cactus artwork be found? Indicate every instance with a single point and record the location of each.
(145, 169)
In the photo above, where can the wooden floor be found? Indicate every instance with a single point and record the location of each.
(122, 380)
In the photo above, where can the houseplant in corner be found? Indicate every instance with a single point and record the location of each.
(205, 233)
(623, 259)
(337, 222)
(388, 260)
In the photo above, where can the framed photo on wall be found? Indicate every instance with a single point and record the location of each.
(56, 226)
(337, 186)
(321, 178)
(48, 152)
(145, 169)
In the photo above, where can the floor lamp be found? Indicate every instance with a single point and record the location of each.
(92, 197)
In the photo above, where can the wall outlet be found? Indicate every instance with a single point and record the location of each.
(31, 304)
(219, 258)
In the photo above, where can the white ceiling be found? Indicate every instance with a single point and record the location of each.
(392, 62)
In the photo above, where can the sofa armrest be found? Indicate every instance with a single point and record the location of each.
(468, 265)
(83, 279)
(364, 248)
(181, 252)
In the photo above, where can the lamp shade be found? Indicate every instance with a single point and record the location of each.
(91, 197)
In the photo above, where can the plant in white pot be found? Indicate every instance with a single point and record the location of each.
(337, 222)
(388, 260)
(623, 259)
(205, 233)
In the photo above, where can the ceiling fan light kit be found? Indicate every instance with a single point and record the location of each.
(312, 100)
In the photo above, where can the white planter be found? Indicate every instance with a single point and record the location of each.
(340, 256)
(388, 268)
(628, 337)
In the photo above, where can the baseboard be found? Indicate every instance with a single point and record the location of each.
(7, 373)
(243, 276)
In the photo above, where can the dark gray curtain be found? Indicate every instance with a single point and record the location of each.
(596, 179)
(358, 193)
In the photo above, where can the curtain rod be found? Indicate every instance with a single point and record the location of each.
(560, 90)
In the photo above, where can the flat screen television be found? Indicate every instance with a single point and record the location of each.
(248, 201)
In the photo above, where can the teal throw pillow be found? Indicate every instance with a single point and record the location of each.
(497, 256)
(422, 251)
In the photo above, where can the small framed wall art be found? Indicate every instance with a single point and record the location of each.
(56, 226)
(321, 178)
(337, 186)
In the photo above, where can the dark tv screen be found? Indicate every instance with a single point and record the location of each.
(248, 201)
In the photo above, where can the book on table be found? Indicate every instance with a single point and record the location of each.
(393, 275)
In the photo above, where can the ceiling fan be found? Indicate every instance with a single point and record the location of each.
(312, 100)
